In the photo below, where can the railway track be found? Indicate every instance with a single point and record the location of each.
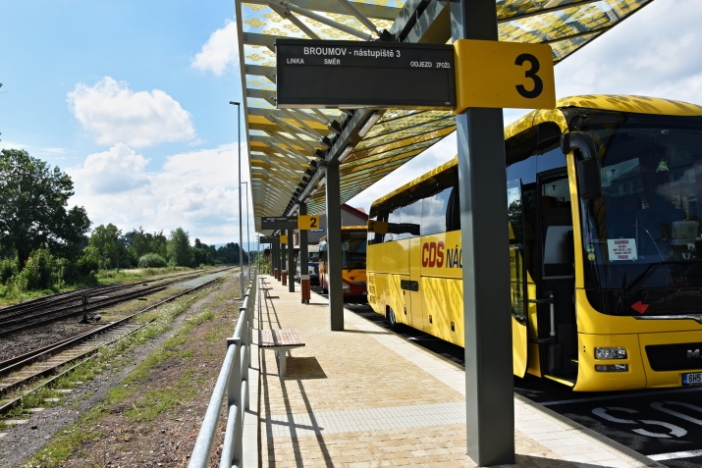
(55, 360)
(50, 309)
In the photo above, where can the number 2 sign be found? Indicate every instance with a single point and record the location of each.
(308, 222)
(504, 75)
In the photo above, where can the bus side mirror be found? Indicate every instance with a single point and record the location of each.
(587, 167)
(589, 180)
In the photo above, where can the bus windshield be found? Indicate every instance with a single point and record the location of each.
(354, 249)
(643, 252)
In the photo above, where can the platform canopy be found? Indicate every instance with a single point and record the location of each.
(287, 149)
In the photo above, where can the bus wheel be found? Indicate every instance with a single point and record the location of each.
(392, 321)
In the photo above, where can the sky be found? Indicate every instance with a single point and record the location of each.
(131, 99)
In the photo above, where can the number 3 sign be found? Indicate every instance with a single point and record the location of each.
(504, 75)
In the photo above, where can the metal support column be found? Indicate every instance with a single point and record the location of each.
(336, 292)
(291, 262)
(274, 257)
(281, 262)
(304, 260)
(483, 195)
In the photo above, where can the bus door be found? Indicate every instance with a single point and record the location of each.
(413, 291)
(555, 278)
(518, 278)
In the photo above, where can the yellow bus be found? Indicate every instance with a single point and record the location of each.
(605, 246)
(353, 261)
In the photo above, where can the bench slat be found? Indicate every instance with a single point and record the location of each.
(278, 338)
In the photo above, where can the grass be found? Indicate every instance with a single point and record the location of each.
(150, 404)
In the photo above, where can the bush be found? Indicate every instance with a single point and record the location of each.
(41, 271)
(152, 260)
(8, 269)
(89, 262)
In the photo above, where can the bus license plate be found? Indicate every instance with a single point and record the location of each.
(692, 379)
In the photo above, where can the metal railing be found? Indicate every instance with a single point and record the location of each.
(233, 381)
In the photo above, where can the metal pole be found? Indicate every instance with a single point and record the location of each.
(304, 260)
(334, 254)
(291, 262)
(248, 230)
(241, 234)
(484, 238)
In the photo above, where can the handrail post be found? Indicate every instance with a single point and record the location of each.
(234, 382)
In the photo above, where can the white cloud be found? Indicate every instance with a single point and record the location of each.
(219, 52)
(194, 190)
(115, 114)
(114, 171)
(646, 54)
(7, 144)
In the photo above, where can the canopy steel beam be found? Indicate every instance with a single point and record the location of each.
(258, 70)
(265, 40)
(355, 12)
(319, 18)
(542, 11)
(286, 13)
(295, 143)
(326, 6)
(268, 96)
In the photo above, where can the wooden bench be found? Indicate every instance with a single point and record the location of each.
(266, 290)
(280, 341)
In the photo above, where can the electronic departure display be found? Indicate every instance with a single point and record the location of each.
(331, 74)
(279, 222)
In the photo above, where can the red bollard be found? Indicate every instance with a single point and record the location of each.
(275, 273)
(285, 278)
(305, 288)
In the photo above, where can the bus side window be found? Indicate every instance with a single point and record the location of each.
(377, 237)
(435, 212)
(411, 219)
(394, 221)
(453, 213)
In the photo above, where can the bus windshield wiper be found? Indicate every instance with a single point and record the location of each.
(635, 284)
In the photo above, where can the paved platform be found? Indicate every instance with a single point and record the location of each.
(365, 397)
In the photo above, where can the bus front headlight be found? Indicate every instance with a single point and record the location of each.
(610, 353)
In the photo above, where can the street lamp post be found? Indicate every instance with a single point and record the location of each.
(248, 231)
(241, 235)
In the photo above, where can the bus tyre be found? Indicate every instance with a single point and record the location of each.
(392, 321)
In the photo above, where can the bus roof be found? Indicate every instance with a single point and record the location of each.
(608, 102)
(422, 178)
(346, 228)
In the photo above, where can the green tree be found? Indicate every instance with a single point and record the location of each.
(106, 240)
(33, 208)
(202, 254)
(158, 243)
(229, 254)
(138, 241)
(179, 250)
